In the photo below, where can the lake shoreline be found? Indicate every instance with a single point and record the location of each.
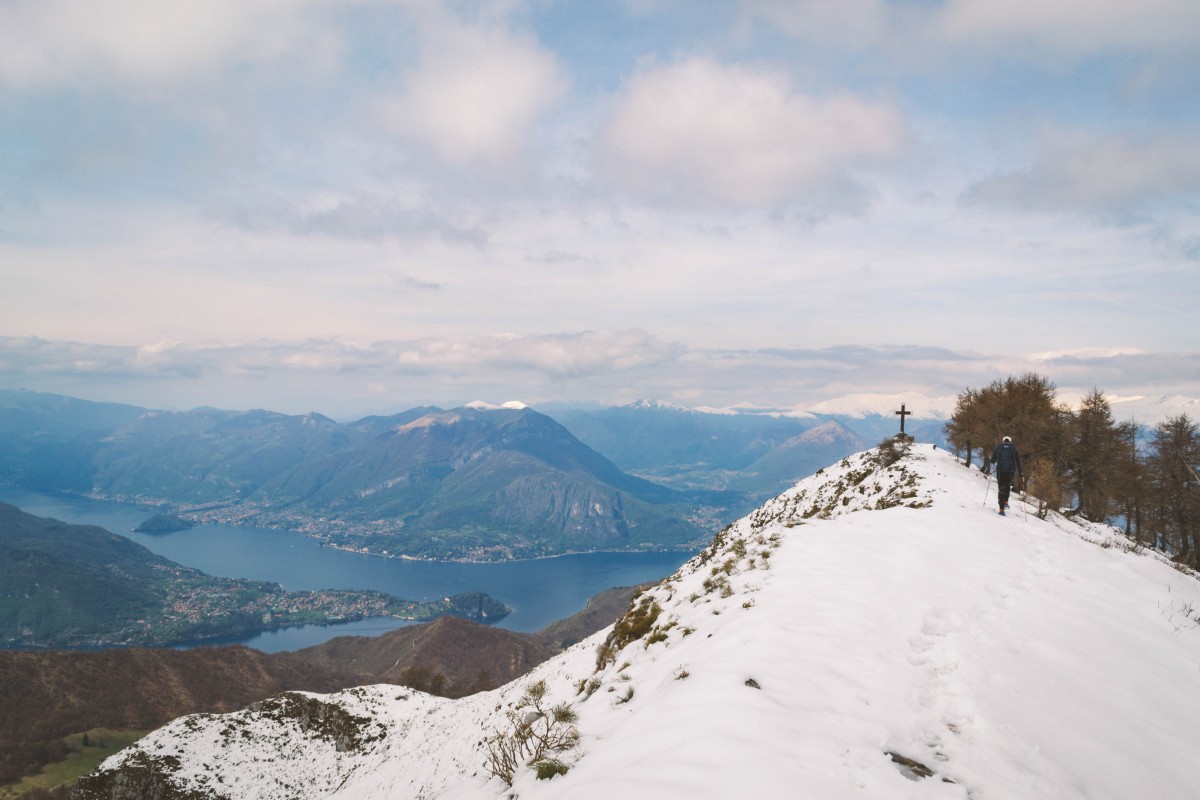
(539, 590)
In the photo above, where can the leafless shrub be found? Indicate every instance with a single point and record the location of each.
(536, 736)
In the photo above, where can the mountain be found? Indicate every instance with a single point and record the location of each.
(741, 456)
(47, 441)
(469, 483)
(207, 455)
(796, 458)
(50, 694)
(481, 484)
(448, 657)
(65, 585)
(875, 631)
(681, 447)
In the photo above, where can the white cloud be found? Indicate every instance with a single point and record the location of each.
(611, 367)
(559, 355)
(1084, 171)
(741, 134)
(476, 92)
(1071, 27)
(47, 42)
(564, 355)
(1016, 29)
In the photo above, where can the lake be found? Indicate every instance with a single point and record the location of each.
(539, 591)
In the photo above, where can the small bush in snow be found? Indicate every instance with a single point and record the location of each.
(892, 449)
(635, 624)
(550, 768)
(537, 735)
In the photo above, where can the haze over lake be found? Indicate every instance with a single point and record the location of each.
(539, 591)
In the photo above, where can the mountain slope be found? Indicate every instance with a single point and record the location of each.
(63, 692)
(49, 441)
(469, 483)
(677, 446)
(208, 455)
(796, 458)
(449, 656)
(487, 484)
(869, 626)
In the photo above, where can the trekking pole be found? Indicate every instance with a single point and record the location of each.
(987, 489)
(1188, 467)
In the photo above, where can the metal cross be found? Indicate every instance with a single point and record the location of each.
(903, 414)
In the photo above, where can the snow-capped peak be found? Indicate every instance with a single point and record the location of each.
(480, 405)
(877, 631)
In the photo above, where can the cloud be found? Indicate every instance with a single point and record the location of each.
(557, 356)
(1071, 27)
(341, 214)
(610, 367)
(742, 134)
(56, 42)
(1015, 30)
(476, 92)
(1082, 171)
(561, 355)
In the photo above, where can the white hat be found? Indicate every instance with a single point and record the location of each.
(1008, 438)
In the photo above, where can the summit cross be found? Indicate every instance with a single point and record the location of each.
(903, 413)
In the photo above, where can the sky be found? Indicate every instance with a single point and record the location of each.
(1015, 658)
(358, 206)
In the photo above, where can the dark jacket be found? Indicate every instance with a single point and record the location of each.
(1006, 458)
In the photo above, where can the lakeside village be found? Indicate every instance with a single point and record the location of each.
(336, 534)
(196, 601)
(196, 608)
(346, 535)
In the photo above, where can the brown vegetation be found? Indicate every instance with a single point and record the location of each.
(48, 695)
(450, 657)
(1085, 463)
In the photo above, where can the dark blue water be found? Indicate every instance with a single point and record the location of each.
(538, 591)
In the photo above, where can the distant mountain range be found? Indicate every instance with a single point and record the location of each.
(480, 484)
(748, 455)
(477, 483)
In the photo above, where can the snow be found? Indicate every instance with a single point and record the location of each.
(871, 404)
(1153, 410)
(512, 405)
(868, 611)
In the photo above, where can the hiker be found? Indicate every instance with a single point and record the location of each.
(1007, 461)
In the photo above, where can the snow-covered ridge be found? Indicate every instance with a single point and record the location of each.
(875, 632)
